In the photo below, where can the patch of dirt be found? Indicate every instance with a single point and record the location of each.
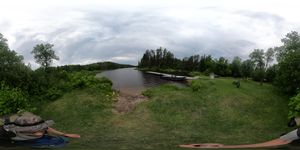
(126, 102)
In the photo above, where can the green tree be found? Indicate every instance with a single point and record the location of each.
(146, 60)
(170, 60)
(206, 64)
(269, 56)
(191, 63)
(288, 57)
(14, 80)
(159, 59)
(236, 66)
(159, 55)
(222, 67)
(44, 54)
(247, 68)
(3, 44)
(258, 57)
(12, 69)
(271, 73)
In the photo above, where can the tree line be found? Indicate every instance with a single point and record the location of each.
(21, 88)
(259, 66)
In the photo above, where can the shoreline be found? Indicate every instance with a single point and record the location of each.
(127, 102)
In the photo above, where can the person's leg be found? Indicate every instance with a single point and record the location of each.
(291, 136)
(44, 142)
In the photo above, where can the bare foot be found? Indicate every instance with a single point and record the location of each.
(72, 135)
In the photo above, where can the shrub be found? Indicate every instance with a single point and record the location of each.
(82, 79)
(195, 73)
(198, 85)
(85, 79)
(294, 106)
(52, 85)
(54, 93)
(105, 80)
(12, 100)
(207, 72)
(202, 85)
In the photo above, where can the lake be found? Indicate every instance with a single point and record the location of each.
(132, 81)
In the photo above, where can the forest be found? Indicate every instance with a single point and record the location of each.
(260, 66)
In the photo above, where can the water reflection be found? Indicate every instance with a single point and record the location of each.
(131, 81)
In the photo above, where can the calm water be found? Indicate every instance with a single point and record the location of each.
(131, 81)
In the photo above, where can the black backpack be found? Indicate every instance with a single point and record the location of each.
(6, 135)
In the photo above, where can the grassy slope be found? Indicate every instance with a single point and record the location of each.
(218, 112)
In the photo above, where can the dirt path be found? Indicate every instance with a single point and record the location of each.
(126, 102)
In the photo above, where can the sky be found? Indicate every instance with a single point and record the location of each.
(88, 31)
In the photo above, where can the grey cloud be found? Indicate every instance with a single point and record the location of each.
(220, 47)
(124, 36)
(25, 45)
(276, 22)
(261, 15)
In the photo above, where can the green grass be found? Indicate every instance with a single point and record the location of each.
(214, 111)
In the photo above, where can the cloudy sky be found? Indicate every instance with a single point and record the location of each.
(89, 31)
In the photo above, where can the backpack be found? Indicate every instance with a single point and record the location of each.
(23, 125)
(6, 135)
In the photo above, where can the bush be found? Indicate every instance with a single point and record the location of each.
(201, 85)
(197, 85)
(54, 93)
(105, 80)
(207, 72)
(294, 106)
(82, 79)
(52, 85)
(195, 73)
(85, 79)
(12, 100)
(65, 82)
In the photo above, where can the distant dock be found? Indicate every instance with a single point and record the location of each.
(171, 76)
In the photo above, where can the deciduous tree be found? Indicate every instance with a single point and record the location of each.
(288, 57)
(257, 57)
(44, 54)
(12, 69)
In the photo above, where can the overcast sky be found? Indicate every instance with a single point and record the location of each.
(88, 31)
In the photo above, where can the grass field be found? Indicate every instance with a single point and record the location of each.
(206, 111)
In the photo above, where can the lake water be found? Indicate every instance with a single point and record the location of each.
(131, 81)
